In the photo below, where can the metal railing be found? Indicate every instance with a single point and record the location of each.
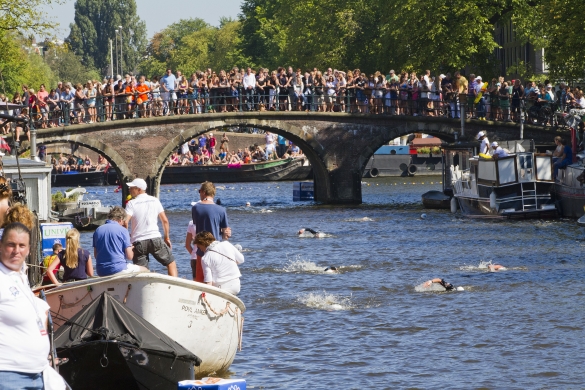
(312, 99)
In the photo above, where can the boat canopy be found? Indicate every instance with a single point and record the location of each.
(105, 318)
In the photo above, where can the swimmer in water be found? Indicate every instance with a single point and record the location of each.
(331, 270)
(496, 267)
(448, 286)
(315, 233)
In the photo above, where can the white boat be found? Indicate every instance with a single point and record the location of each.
(517, 186)
(204, 319)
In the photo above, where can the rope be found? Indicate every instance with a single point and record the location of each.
(234, 313)
(127, 292)
(221, 313)
(68, 305)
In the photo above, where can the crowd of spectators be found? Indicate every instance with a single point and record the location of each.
(203, 150)
(285, 89)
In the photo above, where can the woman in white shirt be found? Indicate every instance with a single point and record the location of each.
(23, 336)
(220, 262)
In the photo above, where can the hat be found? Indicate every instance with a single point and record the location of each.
(442, 76)
(140, 183)
(211, 134)
(392, 71)
(480, 134)
(478, 78)
(494, 144)
(549, 86)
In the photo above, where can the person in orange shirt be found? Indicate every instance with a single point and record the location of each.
(129, 91)
(142, 101)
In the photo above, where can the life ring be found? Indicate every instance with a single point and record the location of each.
(412, 170)
(374, 172)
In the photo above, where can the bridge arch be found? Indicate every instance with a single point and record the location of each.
(115, 160)
(312, 149)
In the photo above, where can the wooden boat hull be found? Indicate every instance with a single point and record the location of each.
(124, 367)
(279, 170)
(177, 307)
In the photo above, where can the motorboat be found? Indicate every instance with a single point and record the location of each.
(108, 346)
(83, 214)
(517, 186)
(205, 320)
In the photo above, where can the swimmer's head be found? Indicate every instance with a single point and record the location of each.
(319, 235)
(301, 231)
(331, 269)
(460, 288)
(247, 204)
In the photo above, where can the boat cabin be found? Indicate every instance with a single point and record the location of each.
(35, 186)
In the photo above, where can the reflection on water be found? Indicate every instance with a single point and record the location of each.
(521, 328)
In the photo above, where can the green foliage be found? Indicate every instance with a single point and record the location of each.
(18, 67)
(96, 22)
(25, 16)
(66, 66)
(192, 44)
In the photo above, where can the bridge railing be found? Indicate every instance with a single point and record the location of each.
(376, 101)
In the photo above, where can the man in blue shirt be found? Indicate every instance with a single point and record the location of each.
(167, 87)
(112, 247)
(210, 217)
(566, 159)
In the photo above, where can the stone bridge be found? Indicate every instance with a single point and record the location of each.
(338, 145)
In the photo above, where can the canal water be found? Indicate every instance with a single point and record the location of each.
(368, 327)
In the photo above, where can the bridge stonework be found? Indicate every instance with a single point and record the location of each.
(338, 145)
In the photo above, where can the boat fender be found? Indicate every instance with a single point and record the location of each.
(412, 170)
(453, 205)
(493, 204)
(374, 172)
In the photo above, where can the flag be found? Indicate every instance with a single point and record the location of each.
(4, 145)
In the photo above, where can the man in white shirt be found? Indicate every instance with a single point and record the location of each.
(485, 143)
(498, 151)
(249, 88)
(143, 214)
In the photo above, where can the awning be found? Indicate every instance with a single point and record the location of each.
(421, 142)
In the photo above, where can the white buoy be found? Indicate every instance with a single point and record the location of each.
(493, 200)
(423, 216)
(453, 205)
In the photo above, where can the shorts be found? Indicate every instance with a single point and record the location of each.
(130, 269)
(154, 246)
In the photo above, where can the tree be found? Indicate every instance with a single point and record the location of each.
(18, 67)
(25, 16)
(96, 22)
(192, 44)
(557, 27)
(66, 66)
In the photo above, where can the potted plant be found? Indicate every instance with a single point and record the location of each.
(61, 203)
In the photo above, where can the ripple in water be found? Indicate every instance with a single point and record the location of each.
(364, 219)
(325, 301)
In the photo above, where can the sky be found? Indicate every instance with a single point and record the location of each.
(157, 17)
